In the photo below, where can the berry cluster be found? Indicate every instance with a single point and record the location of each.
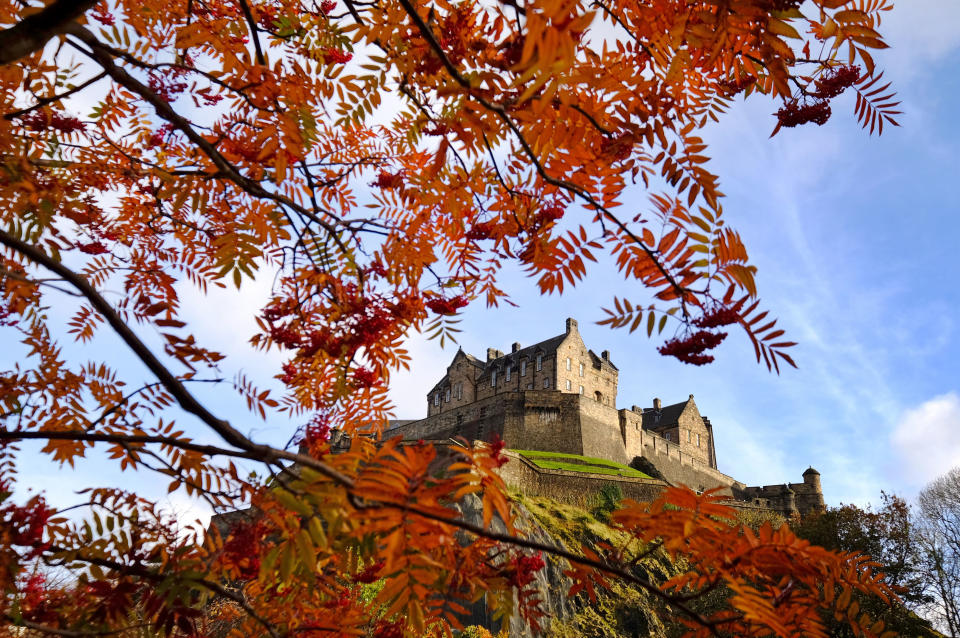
(41, 121)
(242, 548)
(617, 148)
(549, 214)
(336, 56)
(520, 569)
(836, 80)
(25, 524)
(719, 316)
(441, 128)
(443, 306)
(386, 629)
(37, 602)
(779, 5)
(158, 137)
(369, 574)
(365, 378)
(167, 85)
(102, 15)
(738, 85)
(317, 431)
(93, 248)
(388, 180)
(690, 349)
(327, 6)
(793, 113)
(496, 450)
(481, 231)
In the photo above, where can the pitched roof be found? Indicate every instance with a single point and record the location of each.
(667, 416)
(547, 345)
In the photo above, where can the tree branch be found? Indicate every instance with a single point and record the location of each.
(32, 32)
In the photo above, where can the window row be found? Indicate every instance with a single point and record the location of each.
(456, 391)
(508, 370)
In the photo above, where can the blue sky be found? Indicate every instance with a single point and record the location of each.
(855, 238)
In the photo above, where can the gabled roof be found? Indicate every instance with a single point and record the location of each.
(547, 345)
(667, 416)
(599, 362)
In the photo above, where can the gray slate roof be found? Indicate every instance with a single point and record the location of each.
(547, 345)
(666, 417)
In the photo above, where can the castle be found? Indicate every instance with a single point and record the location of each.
(558, 396)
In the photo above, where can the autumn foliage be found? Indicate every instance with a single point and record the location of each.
(380, 162)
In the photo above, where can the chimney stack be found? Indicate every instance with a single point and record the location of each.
(605, 355)
(491, 354)
(656, 404)
(571, 325)
(516, 346)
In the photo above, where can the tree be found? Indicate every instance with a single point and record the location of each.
(888, 535)
(235, 137)
(938, 520)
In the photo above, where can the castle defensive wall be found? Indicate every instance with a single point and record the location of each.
(558, 396)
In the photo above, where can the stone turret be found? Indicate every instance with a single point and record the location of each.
(812, 478)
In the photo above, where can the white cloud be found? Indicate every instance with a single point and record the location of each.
(927, 438)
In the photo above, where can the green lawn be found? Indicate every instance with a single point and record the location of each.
(577, 463)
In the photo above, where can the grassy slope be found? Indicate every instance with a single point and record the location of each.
(577, 463)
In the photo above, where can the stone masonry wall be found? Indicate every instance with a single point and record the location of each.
(600, 430)
(575, 488)
(546, 421)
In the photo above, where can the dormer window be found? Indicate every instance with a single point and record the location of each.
(493, 379)
(523, 368)
(436, 399)
(509, 368)
(447, 398)
(539, 362)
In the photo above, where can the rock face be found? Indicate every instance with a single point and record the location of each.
(623, 612)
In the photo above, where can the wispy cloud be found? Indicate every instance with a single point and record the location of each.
(926, 438)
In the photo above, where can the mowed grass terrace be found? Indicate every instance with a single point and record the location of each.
(577, 463)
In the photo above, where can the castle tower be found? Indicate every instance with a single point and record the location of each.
(812, 499)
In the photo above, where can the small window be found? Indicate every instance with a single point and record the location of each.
(569, 385)
(666, 435)
(447, 398)
(523, 368)
(581, 369)
(493, 379)
(459, 419)
(569, 364)
(540, 363)
(436, 399)
(459, 390)
(509, 368)
(688, 436)
(698, 440)
(581, 389)
(483, 412)
(546, 383)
